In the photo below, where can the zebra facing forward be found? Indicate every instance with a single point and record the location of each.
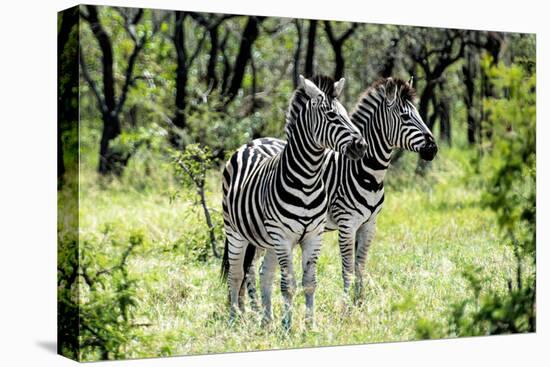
(388, 119)
(274, 201)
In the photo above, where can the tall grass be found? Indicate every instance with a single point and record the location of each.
(431, 228)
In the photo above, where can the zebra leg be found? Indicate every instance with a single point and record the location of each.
(310, 253)
(346, 241)
(267, 271)
(365, 235)
(241, 295)
(288, 282)
(250, 281)
(235, 275)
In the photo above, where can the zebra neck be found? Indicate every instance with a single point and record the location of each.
(301, 161)
(370, 118)
(303, 158)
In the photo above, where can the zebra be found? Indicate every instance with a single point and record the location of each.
(276, 200)
(388, 119)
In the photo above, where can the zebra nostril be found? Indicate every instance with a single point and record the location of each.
(362, 145)
(429, 139)
(358, 148)
(428, 151)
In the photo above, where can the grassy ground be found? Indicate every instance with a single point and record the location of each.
(429, 231)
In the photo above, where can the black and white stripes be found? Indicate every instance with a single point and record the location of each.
(274, 199)
(387, 118)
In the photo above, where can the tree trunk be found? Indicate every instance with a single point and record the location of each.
(254, 86)
(60, 160)
(389, 63)
(427, 95)
(337, 44)
(310, 54)
(209, 223)
(67, 114)
(226, 65)
(181, 71)
(339, 63)
(250, 33)
(425, 98)
(111, 123)
(296, 69)
(108, 161)
(107, 101)
(445, 119)
(469, 72)
(432, 119)
(211, 77)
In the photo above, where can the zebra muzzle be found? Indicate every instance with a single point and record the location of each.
(428, 151)
(356, 149)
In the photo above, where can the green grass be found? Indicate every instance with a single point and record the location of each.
(429, 231)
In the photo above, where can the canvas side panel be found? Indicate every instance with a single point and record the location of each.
(67, 182)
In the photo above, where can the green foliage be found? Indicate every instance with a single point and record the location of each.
(511, 188)
(98, 294)
(151, 138)
(510, 192)
(192, 166)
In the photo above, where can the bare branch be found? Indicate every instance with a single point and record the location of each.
(137, 17)
(130, 23)
(120, 265)
(330, 34)
(90, 81)
(349, 32)
(197, 50)
(338, 40)
(128, 81)
(278, 28)
(84, 15)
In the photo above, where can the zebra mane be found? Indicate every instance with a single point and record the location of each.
(326, 84)
(300, 98)
(404, 90)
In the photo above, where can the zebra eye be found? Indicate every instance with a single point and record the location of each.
(331, 115)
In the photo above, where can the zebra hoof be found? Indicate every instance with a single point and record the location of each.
(234, 317)
(311, 326)
(359, 301)
(347, 305)
(267, 321)
(287, 323)
(254, 305)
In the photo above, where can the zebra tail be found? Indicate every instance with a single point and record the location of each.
(225, 261)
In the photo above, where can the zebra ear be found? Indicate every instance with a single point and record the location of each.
(311, 89)
(339, 87)
(391, 90)
(410, 82)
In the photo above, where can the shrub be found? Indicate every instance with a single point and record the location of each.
(510, 181)
(96, 297)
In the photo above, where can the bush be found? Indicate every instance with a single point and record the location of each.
(510, 180)
(96, 297)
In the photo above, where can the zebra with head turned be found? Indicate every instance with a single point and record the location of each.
(388, 119)
(275, 200)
